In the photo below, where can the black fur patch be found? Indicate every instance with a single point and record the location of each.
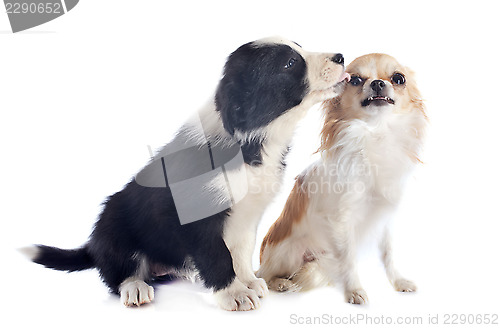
(64, 259)
(252, 152)
(283, 156)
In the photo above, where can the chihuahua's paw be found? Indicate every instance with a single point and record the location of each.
(281, 284)
(404, 285)
(357, 296)
(259, 286)
(237, 297)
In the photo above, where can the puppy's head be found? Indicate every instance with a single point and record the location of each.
(379, 83)
(264, 79)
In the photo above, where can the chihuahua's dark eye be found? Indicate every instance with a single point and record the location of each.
(291, 62)
(398, 78)
(356, 80)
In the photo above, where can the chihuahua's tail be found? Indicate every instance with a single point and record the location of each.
(59, 259)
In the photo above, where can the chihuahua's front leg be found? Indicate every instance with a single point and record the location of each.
(399, 283)
(344, 250)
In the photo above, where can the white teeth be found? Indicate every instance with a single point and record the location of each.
(387, 99)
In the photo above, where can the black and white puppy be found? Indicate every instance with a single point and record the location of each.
(197, 204)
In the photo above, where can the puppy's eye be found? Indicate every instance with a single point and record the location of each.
(356, 80)
(398, 78)
(291, 62)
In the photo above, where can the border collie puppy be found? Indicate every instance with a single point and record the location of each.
(197, 204)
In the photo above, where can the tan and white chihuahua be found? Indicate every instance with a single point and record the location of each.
(370, 142)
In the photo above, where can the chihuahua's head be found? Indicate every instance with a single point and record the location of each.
(379, 83)
(379, 87)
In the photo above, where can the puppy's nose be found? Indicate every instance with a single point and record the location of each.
(377, 85)
(338, 58)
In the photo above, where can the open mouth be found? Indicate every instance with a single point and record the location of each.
(377, 101)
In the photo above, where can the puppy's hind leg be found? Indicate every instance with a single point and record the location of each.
(134, 291)
(399, 283)
(125, 274)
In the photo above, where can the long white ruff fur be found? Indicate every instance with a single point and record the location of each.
(367, 152)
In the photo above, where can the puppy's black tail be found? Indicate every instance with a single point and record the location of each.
(60, 259)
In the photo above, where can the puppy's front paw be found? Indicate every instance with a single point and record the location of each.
(237, 297)
(136, 292)
(259, 286)
(357, 296)
(404, 285)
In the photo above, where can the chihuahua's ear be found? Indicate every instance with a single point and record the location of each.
(415, 97)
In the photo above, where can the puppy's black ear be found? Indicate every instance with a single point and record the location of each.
(229, 103)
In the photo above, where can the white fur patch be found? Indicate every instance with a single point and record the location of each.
(135, 292)
(31, 252)
(237, 297)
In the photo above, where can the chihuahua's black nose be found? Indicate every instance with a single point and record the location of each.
(338, 58)
(377, 85)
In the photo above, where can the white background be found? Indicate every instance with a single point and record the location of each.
(83, 96)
